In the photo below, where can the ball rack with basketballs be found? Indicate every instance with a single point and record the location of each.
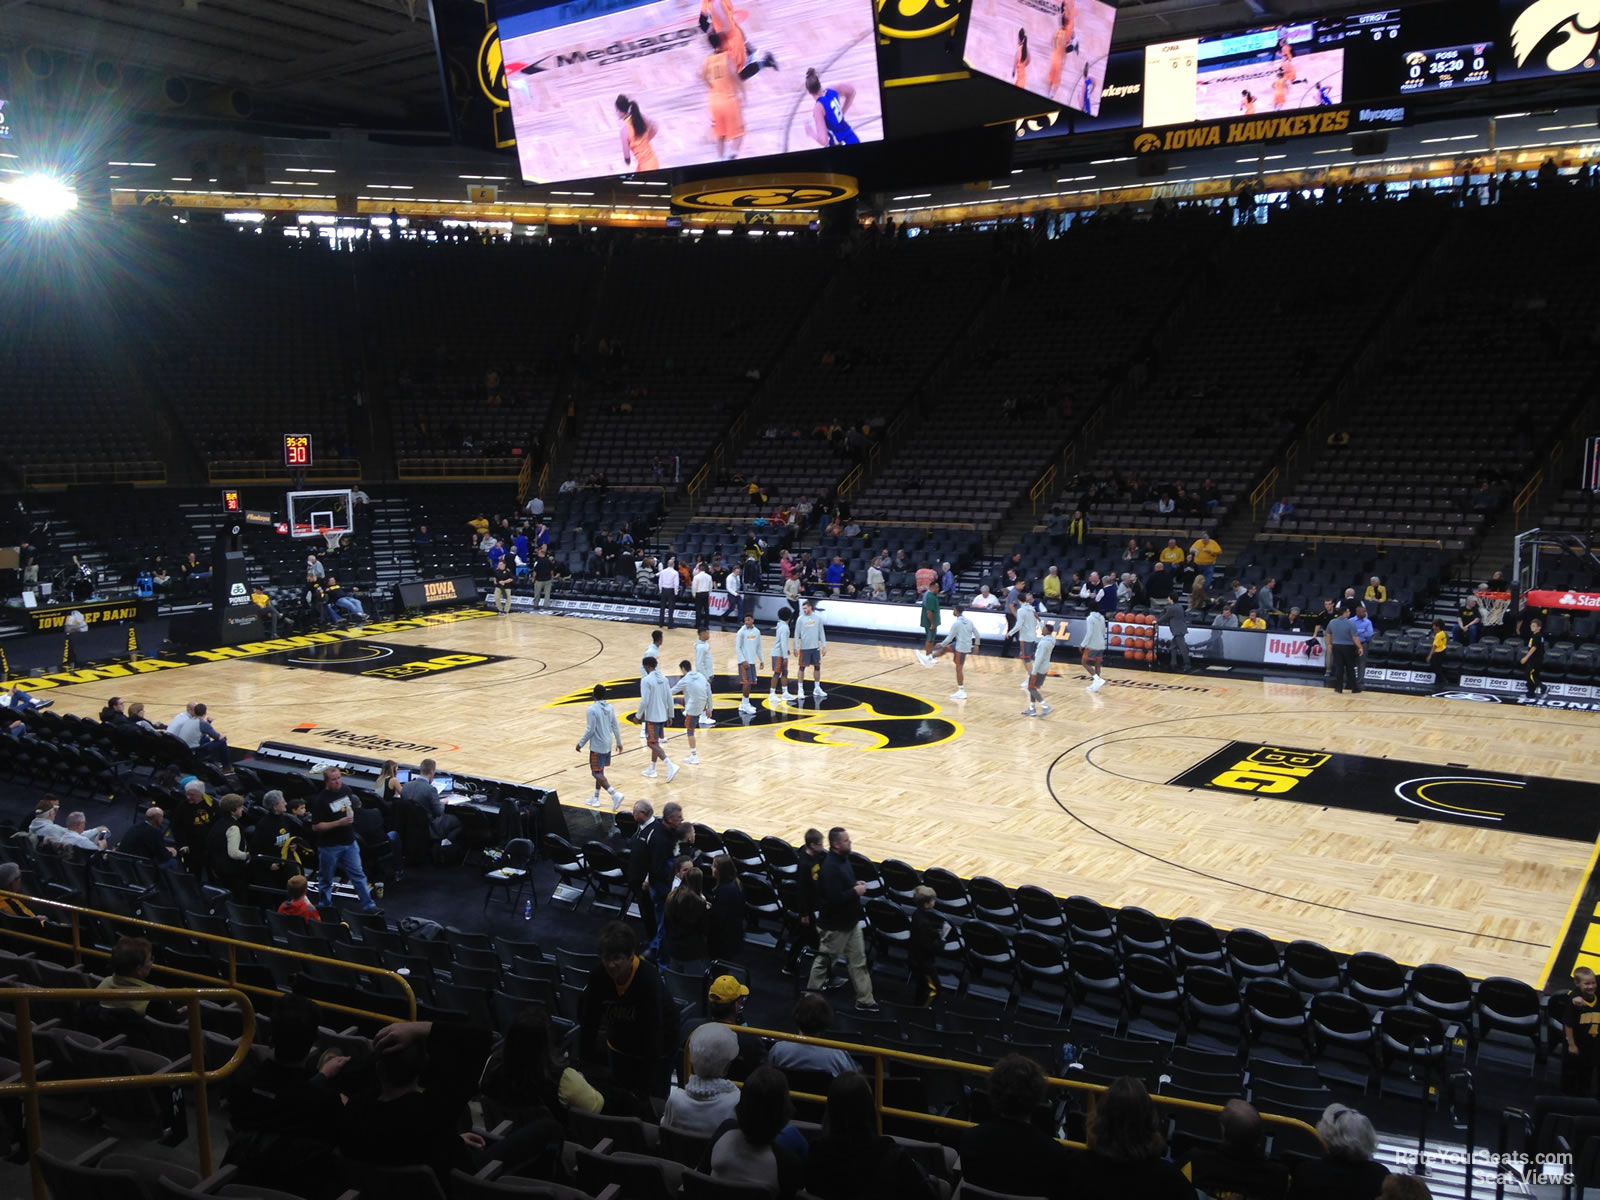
(1134, 636)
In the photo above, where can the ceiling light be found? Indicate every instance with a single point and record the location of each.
(41, 196)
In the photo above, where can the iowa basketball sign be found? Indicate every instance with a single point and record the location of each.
(766, 192)
(1244, 131)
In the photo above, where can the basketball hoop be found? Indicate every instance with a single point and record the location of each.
(333, 537)
(1494, 605)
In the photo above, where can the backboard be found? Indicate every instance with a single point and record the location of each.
(314, 513)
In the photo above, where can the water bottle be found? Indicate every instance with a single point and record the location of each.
(527, 910)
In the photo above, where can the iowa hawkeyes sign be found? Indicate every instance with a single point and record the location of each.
(854, 715)
(766, 192)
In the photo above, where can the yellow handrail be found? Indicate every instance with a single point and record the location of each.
(31, 1085)
(697, 482)
(234, 945)
(1526, 497)
(458, 468)
(1038, 490)
(880, 1055)
(50, 475)
(524, 481)
(850, 481)
(1264, 491)
(271, 470)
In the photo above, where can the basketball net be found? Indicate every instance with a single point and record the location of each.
(1494, 605)
(333, 537)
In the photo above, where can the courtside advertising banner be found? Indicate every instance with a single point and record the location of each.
(611, 87)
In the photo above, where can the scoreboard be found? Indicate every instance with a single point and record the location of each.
(297, 449)
(1447, 67)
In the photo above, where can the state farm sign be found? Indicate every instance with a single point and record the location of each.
(1586, 601)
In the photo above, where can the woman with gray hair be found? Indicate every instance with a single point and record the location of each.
(1347, 1171)
(11, 881)
(708, 1097)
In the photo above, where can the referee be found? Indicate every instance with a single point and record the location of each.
(1344, 652)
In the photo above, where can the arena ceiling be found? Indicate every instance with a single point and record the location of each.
(372, 61)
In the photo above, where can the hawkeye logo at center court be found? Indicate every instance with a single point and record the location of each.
(854, 715)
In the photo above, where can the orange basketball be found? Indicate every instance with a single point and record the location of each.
(1116, 639)
(1122, 616)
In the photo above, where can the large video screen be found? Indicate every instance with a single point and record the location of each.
(649, 86)
(1258, 71)
(1057, 49)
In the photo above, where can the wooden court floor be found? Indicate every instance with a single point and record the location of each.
(1077, 802)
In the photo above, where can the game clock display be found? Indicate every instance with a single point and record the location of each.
(1447, 67)
(297, 449)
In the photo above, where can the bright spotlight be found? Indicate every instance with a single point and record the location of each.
(41, 196)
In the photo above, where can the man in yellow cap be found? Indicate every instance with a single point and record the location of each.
(725, 1004)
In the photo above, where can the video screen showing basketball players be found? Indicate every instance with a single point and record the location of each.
(641, 87)
(1258, 71)
(1054, 48)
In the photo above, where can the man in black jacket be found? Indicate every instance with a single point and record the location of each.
(626, 1001)
(807, 875)
(839, 915)
(147, 840)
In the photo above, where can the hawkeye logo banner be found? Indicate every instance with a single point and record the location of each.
(380, 660)
(1243, 130)
(854, 715)
(1556, 808)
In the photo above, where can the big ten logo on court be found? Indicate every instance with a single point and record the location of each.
(901, 19)
(428, 666)
(1269, 770)
(854, 716)
(766, 192)
(492, 69)
(1568, 31)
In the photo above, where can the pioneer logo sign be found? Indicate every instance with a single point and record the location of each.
(616, 52)
(1456, 795)
(1239, 132)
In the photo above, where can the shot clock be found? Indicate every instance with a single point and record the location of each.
(297, 449)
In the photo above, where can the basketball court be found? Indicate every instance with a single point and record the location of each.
(1218, 92)
(992, 46)
(1421, 828)
(564, 82)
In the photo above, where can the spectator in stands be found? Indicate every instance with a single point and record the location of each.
(1245, 600)
(839, 922)
(1078, 528)
(529, 1074)
(160, 580)
(1131, 552)
(928, 933)
(1127, 1153)
(190, 821)
(1469, 625)
(1171, 554)
(1347, 1169)
(1376, 592)
(194, 729)
(750, 1148)
(852, 1160)
(1282, 509)
(688, 922)
(1364, 629)
(276, 827)
(146, 839)
(1206, 551)
(194, 572)
(227, 859)
(423, 538)
(1239, 1165)
(725, 935)
(877, 587)
(79, 837)
(295, 903)
(284, 1113)
(269, 611)
(112, 713)
(1255, 622)
(11, 881)
(1227, 619)
(443, 825)
(947, 580)
(1438, 647)
(985, 599)
(333, 821)
(1052, 589)
(708, 1097)
(1580, 1020)
(314, 568)
(926, 577)
(1199, 601)
(132, 960)
(813, 1018)
(43, 827)
(725, 1004)
(625, 996)
(1267, 596)
(1010, 1152)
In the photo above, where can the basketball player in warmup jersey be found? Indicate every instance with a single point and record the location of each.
(727, 112)
(1043, 649)
(601, 731)
(703, 664)
(1280, 89)
(747, 652)
(812, 639)
(1026, 633)
(960, 641)
(718, 15)
(637, 134)
(828, 126)
(1019, 69)
(1286, 55)
(696, 690)
(780, 659)
(1247, 102)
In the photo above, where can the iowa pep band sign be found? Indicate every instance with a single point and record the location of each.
(766, 192)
